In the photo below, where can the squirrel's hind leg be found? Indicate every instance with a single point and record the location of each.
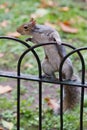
(48, 69)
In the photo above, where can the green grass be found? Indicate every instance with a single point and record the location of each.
(19, 11)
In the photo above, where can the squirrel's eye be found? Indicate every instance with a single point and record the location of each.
(25, 27)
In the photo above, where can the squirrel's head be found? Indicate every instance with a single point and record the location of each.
(27, 28)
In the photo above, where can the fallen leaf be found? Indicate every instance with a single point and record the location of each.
(4, 23)
(68, 28)
(28, 65)
(4, 5)
(48, 3)
(13, 34)
(8, 125)
(65, 9)
(7, 10)
(1, 55)
(5, 89)
(68, 23)
(52, 103)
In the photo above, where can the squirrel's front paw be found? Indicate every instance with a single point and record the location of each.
(52, 77)
(28, 39)
(46, 76)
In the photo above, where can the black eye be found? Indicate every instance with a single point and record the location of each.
(25, 27)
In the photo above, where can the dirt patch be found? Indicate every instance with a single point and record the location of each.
(31, 89)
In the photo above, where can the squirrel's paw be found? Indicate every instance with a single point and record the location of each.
(53, 105)
(28, 39)
(52, 77)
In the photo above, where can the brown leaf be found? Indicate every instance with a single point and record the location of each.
(51, 103)
(67, 23)
(64, 9)
(28, 65)
(7, 10)
(68, 28)
(4, 5)
(5, 89)
(4, 23)
(13, 34)
(47, 3)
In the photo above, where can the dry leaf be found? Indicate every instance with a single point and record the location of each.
(68, 28)
(7, 10)
(52, 103)
(13, 34)
(65, 9)
(4, 23)
(47, 3)
(8, 125)
(4, 5)
(67, 23)
(1, 55)
(5, 89)
(28, 65)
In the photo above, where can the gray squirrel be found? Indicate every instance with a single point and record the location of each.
(53, 57)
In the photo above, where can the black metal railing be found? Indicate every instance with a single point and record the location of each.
(40, 79)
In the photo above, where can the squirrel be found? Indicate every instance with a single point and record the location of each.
(53, 57)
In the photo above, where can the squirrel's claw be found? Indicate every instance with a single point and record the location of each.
(28, 39)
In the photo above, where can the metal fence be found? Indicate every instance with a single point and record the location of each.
(40, 79)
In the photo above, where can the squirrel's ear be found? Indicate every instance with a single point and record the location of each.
(33, 21)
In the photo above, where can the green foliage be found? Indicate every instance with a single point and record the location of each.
(29, 119)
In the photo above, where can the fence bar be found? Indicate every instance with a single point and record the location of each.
(18, 104)
(83, 80)
(45, 80)
(40, 105)
(81, 108)
(61, 107)
(40, 83)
